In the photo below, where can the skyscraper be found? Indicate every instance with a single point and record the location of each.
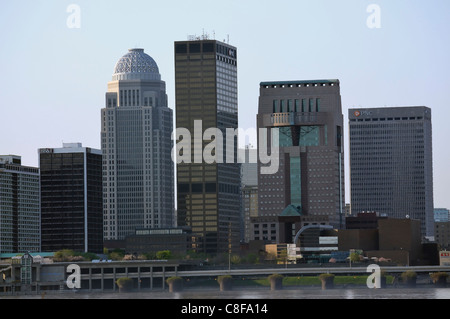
(391, 164)
(206, 94)
(138, 171)
(19, 206)
(71, 198)
(249, 191)
(310, 175)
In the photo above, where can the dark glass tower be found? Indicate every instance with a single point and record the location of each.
(208, 193)
(71, 198)
(391, 163)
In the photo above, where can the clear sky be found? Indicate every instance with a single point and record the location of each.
(54, 78)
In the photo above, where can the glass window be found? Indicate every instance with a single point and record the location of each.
(208, 47)
(299, 136)
(194, 47)
(295, 181)
(290, 107)
(181, 48)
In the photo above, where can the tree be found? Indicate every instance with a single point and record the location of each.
(225, 282)
(327, 280)
(175, 283)
(409, 278)
(276, 281)
(163, 255)
(125, 284)
(355, 257)
(63, 255)
(89, 256)
(235, 259)
(439, 278)
(116, 254)
(70, 255)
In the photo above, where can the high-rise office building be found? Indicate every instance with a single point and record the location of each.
(391, 169)
(19, 206)
(249, 191)
(71, 198)
(441, 215)
(206, 98)
(310, 178)
(138, 171)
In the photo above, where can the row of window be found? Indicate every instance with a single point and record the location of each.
(282, 106)
(412, 118)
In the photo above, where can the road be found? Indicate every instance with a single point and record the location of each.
(305, 271)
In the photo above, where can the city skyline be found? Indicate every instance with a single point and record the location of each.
(56, 72)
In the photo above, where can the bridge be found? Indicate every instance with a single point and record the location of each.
(153, 274)
(307, 271)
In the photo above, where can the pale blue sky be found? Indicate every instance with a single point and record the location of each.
(54, 78)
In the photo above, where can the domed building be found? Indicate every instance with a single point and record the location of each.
(136, 65)
(136, 129)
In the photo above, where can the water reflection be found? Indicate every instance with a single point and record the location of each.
(287, 293)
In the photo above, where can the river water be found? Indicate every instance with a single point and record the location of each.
(256, 294)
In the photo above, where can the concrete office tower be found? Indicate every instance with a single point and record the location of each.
(19, 206)
(208, 194)
(138, 171)
(71, 198)
(249, 192)
(310, 176)
(391, 164)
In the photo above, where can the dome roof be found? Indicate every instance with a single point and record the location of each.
(136, 65)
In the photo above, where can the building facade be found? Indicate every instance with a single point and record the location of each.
(305, 125)
(151, 241)
(249, 192)
(391, 169)
(19, 206)
(441, 215)
(138, 171)
(208, 192)
(71, 198)
(442, 234)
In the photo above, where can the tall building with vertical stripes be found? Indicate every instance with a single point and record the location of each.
(136, 128)
(71, 198)
(208, 194)
(19, 206)
(391, 163)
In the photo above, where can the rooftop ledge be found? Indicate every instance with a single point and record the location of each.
(299, 83)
